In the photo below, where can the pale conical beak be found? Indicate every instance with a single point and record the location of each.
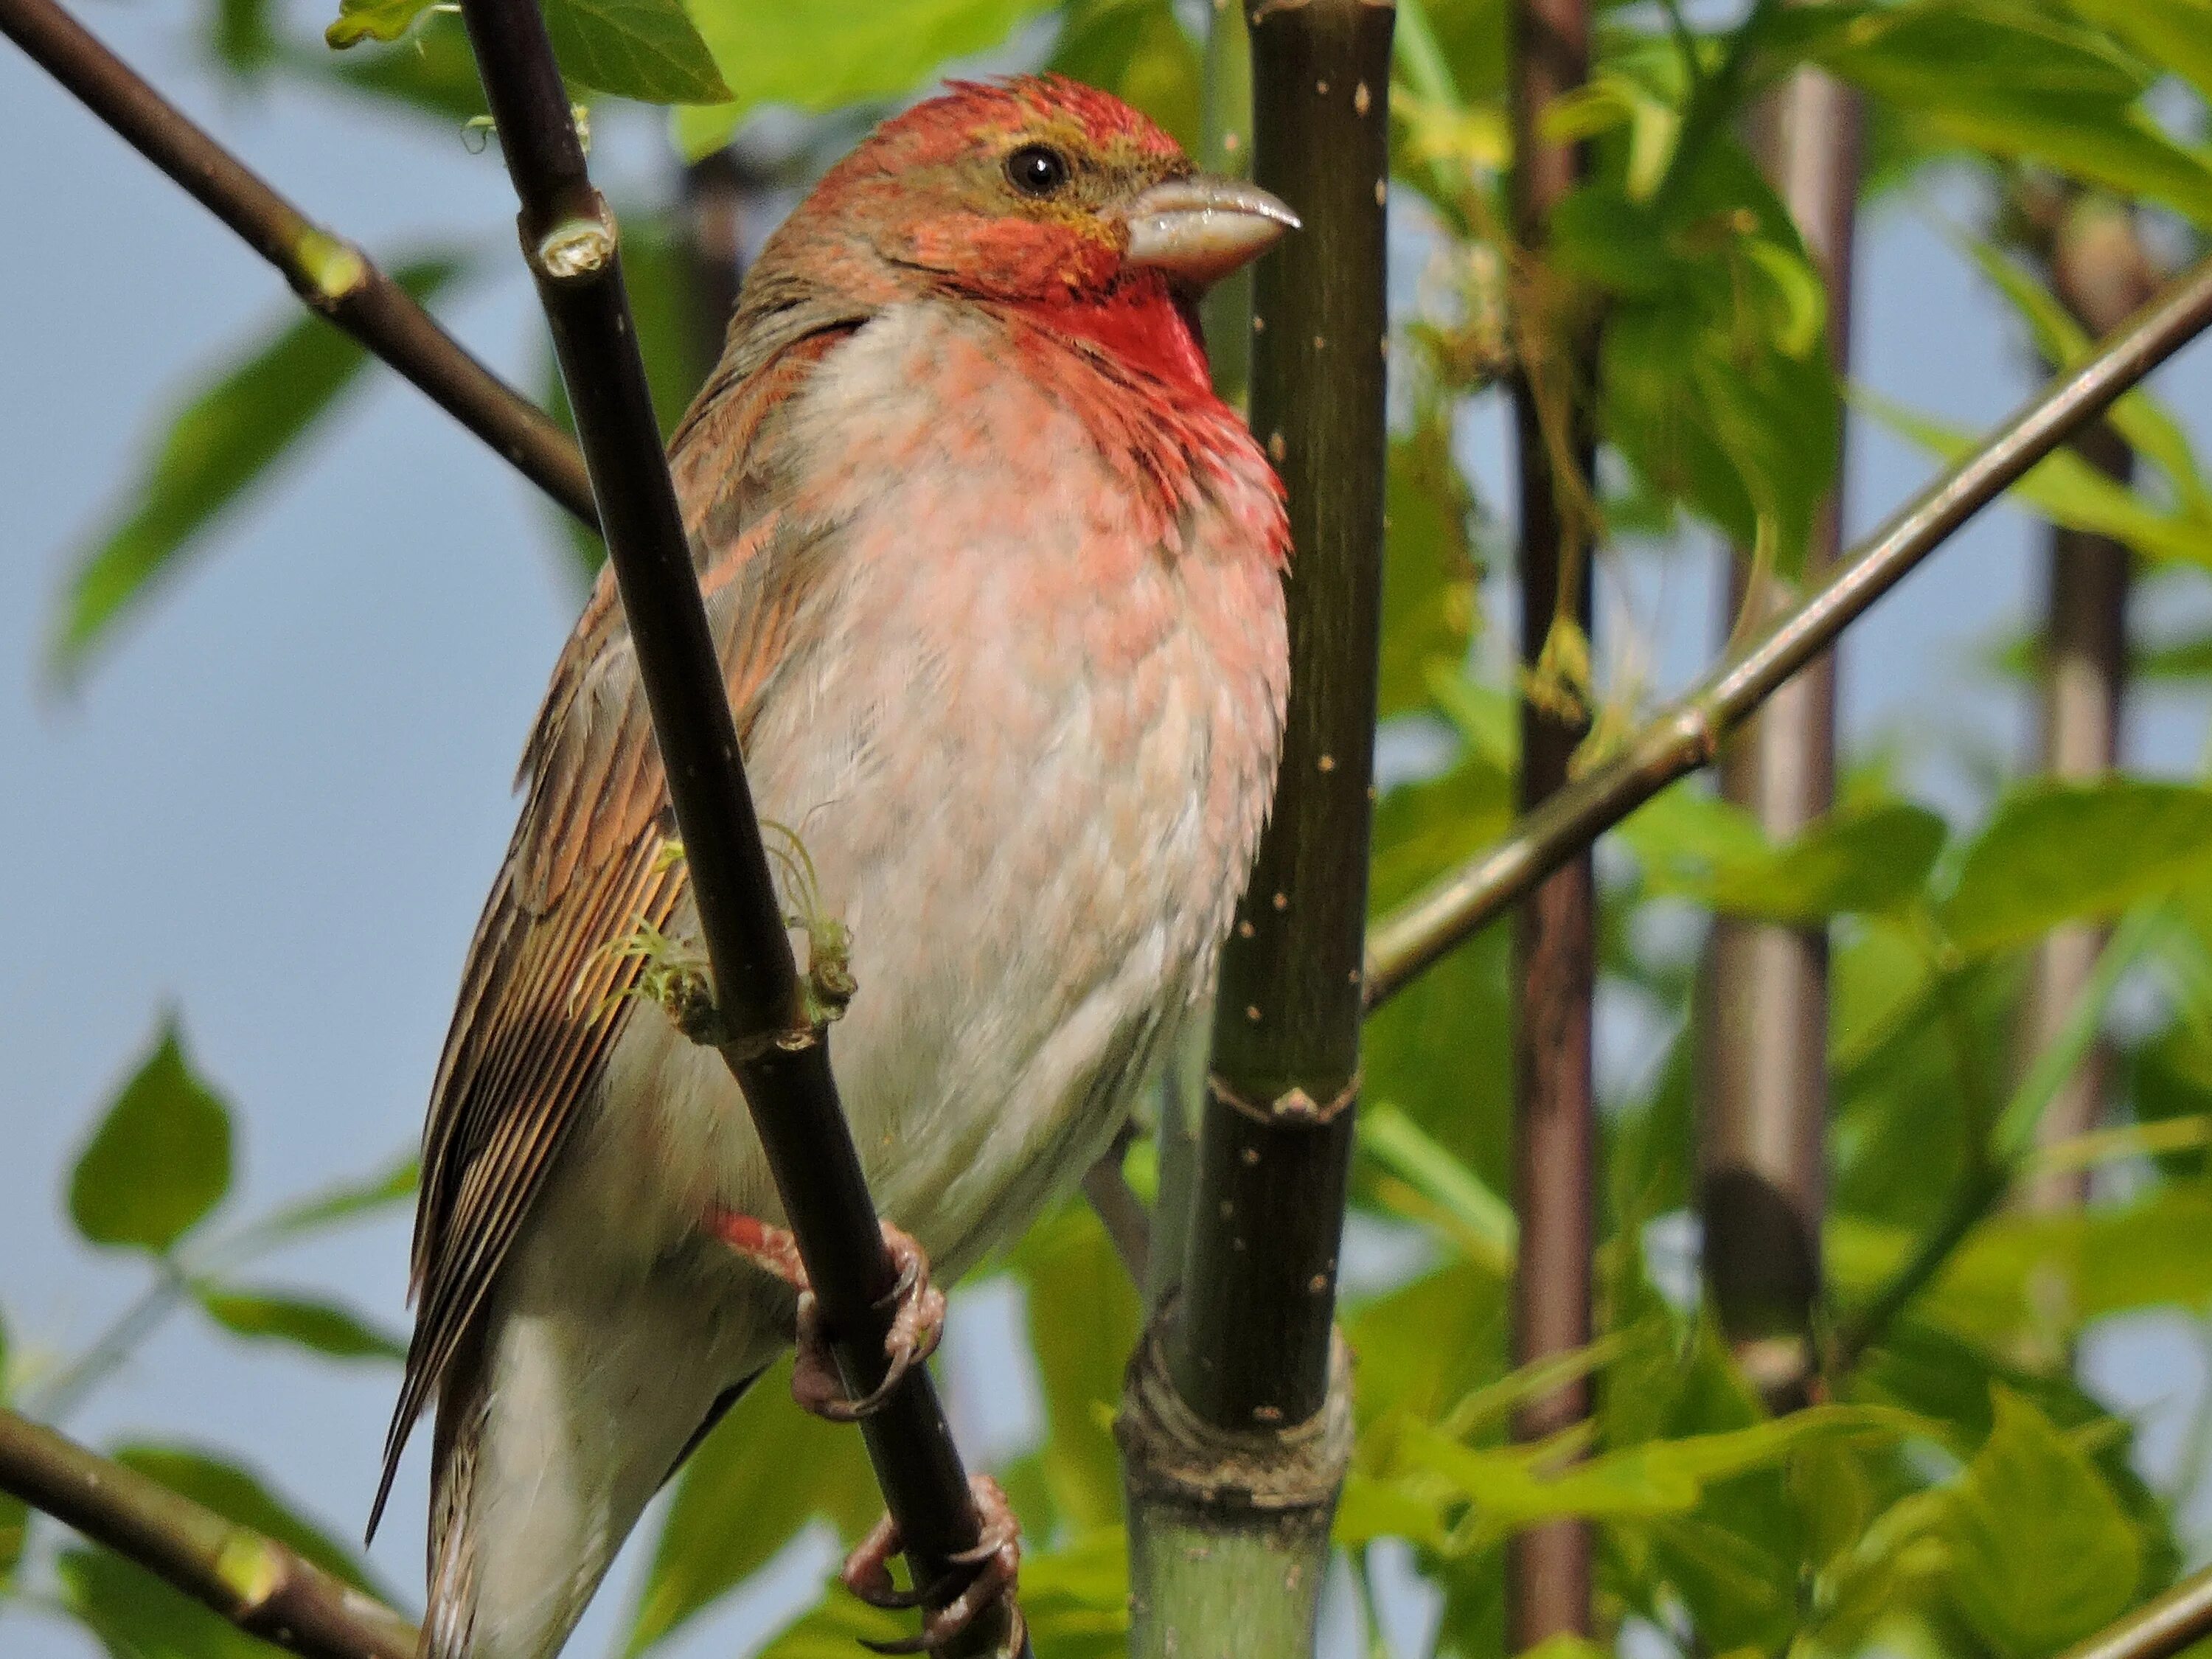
(1199, 229)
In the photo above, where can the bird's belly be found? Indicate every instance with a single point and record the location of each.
(1034, 880)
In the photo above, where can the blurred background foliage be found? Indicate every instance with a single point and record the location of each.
(1953, 1487)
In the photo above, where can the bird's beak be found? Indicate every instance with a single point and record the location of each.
(1199, 229)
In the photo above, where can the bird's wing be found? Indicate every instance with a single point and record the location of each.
(545, 993)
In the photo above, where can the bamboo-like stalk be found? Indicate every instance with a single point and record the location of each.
(254, 1581)
(2101, 270)
(1763, 1052)
(1686, 736)
(1236, 1423)
(329, 273)
(779, 1056)
(1547, 1568)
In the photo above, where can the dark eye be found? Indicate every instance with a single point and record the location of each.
(1036, 169)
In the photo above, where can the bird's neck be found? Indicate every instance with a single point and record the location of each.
(1138, 325)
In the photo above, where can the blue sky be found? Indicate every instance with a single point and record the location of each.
(276, 807)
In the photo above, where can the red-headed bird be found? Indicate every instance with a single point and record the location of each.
(996, 582)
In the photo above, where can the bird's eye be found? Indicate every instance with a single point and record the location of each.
(1036, 169)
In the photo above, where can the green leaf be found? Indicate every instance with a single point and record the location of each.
(161, 1159)
(349, 1200)
(2055, 852)
(431, 72)
(818, 58)
(1745, 439)
(1513, 1487)
(222, 443)
(1866, 859)
(372, 19)
(134, 1615)
(1424, 1347)
(2174, 34)
(1962, 50)
(1483, 1222)
(2024, 84)
(323, 1327)
(1084, 1320)
(15, 1534)
(648, 49)
(739, 1502)
(2042, 1552)
(1135, 50)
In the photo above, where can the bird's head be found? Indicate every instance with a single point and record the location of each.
(1032, 190)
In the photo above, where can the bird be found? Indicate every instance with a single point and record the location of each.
(996, 582)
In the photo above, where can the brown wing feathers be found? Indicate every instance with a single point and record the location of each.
(544, 997)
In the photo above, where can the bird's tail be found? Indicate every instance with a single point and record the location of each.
(552, 1437)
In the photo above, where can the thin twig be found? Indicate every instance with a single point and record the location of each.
(1128, 1222)
(257, 1583)
(780, 1056)
(328, 272)
(1686, 736)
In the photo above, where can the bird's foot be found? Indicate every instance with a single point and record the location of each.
(979, 1576)
(917, 1318)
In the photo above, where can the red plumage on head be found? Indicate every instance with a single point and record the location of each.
(950, 123)
(913, 189)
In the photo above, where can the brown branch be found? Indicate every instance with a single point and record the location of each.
(1554, 972)
(2093, 253)
(1687, 736)
(329, 274)
(2159, 1629)
(1762, 1049)
(257, 1583)
(773, 1045)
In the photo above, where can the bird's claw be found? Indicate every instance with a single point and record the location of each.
(917, 1319)
(980, 1577)
(917, 1325)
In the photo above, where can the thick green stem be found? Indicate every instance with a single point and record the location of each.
(1235, 1426)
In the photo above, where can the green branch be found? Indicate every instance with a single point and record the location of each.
(329, 274)
(1686, 736)
(257, 1583)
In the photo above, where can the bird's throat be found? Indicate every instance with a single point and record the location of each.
(1140, 325)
